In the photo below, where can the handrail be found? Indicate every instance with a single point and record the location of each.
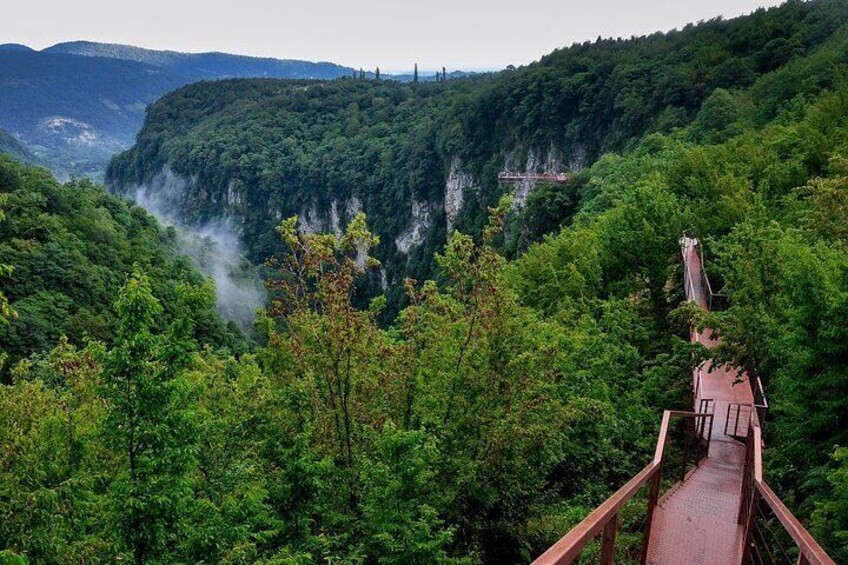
(604, 518)
(689, 286)
(759, 388)
(755, 488)
(698, 389)
(709, 295)
(569, 547)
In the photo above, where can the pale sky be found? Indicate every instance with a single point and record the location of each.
(457, 34)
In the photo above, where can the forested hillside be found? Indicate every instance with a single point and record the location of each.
(521, 379)
(423, 158)
(76, 104)
(70, 248)
(14, 148)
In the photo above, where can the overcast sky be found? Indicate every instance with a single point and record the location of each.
(392, 34)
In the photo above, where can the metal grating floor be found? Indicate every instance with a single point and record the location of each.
(696, 524)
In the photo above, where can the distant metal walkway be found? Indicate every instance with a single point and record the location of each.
(719, 511)
(549, 177)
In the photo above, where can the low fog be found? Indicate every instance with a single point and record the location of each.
(213, 247)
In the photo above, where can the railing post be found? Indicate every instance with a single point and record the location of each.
(748, 526)
(653, 498)
(749, 498)
(608, 542)
(736, 424)
(710, 435)
(727, 419)
(687, 433)
(802, 559)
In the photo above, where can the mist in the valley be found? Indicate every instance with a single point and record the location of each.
(213, 247)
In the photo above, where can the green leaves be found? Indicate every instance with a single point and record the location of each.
(69, 249)
(149, 421)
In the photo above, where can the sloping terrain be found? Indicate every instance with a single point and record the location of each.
(75, 105)
(423, 159)
(9, 145)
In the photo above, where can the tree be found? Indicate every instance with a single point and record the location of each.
(332, 343)
(830, 519)
(6, 311)
(723, 115)
(149, 419)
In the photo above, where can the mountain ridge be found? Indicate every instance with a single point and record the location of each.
(73, 111)
(192, 63)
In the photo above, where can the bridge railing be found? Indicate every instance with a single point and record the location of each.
(603, 522)
(772, 534)
(713, 299)
(699, 400)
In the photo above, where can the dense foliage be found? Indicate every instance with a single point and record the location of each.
(70, 247)
(477, 429)
(14, 148)
(263, 150)
(505, 400)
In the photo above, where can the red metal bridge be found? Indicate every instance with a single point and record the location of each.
(703, 493)
(549, 177)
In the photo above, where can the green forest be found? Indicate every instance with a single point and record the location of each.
(514, 374)
(263, 150)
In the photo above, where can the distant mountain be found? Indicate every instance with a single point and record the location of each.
(205, 65)
(75, 104)
(14, 47)
(75, 112)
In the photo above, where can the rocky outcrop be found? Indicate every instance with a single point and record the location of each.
(455, 185)
(422, 213)
(234, 196)
(532, 161)
(310, 219)
(579, 159)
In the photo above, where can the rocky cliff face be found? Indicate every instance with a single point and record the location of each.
(414, 235)
(183, 192)
(534, 161)
(456, 184)
(310, 219)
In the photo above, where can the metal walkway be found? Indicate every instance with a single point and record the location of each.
(696, 521)
(719, 510)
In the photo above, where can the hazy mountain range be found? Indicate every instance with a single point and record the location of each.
(73, 105)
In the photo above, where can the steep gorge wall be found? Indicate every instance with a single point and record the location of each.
(194, 200)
